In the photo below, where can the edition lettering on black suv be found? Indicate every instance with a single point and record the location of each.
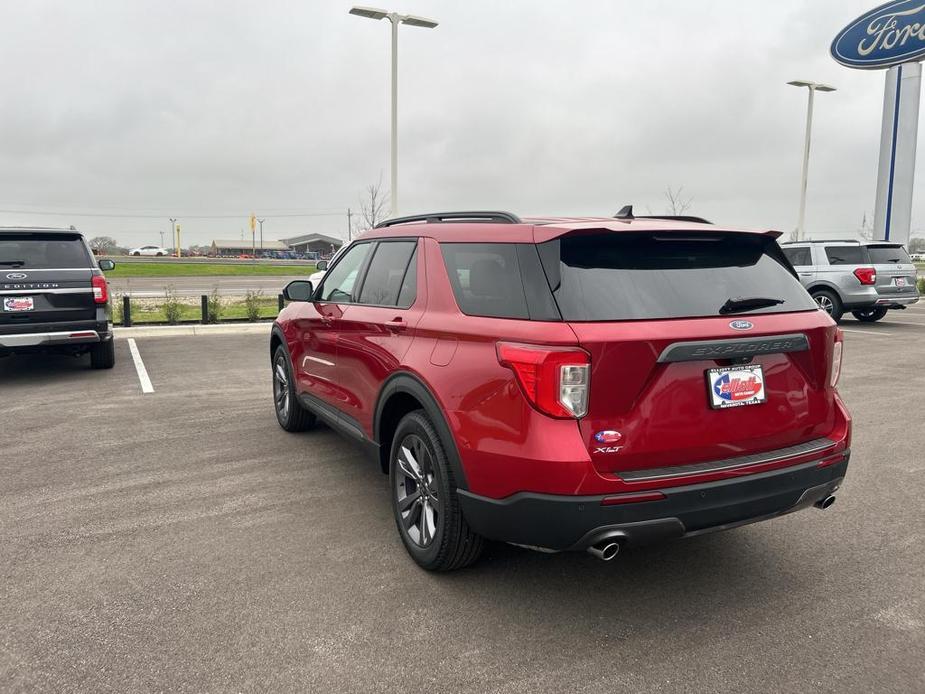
(53, 295)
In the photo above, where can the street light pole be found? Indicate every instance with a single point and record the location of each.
(395, 19)
(812, 87)
(260, 222)
(173, 231)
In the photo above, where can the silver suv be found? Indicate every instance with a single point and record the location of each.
(867, 278)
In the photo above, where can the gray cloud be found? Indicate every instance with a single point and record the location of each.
(557, 107)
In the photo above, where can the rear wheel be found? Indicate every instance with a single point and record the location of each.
(103, 355)
(289, 411)
(829, 302)
(427, 512)
(869, 315)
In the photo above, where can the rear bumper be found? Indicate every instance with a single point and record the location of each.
(63, 334)
(577, 522)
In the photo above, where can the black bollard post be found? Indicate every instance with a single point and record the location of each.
(205, 308)
(127, 311)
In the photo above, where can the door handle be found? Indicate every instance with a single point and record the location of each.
(396, 325)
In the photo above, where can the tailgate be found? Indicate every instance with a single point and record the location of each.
(44, 296)
(896, 273)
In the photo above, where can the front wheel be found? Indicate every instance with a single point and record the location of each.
(869, 315)
(426, 508)
(829, 302)
(289, 411)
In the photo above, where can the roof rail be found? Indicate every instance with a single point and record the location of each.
(437, 217)
(626, 212)
(786, 243)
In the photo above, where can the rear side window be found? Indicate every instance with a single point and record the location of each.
(43, 251)
(386, 273)
(882, 255)
(846, 255)
(799, 256)
(486, 279)
(622, 276)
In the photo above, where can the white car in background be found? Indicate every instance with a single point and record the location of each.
(322, 268)
(149, 250)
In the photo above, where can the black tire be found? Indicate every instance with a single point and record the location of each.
(289, 411)
(136, 254)
(451, 544)
(830, 303)
(103, 355)
(869, 315)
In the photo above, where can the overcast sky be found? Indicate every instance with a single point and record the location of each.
(188, 109)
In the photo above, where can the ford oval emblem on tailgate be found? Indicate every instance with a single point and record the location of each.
(17, 276)
(741, 325)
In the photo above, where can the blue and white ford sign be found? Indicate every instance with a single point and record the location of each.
(891, 34)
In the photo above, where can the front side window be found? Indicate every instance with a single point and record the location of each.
(338, 284)
(386, 273)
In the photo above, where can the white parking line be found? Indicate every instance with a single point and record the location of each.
(866, 332)
(146, 386)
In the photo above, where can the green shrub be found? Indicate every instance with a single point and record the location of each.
(115, 303)
(252, 304)
(171, 307)
(921, 285)
(215, 307)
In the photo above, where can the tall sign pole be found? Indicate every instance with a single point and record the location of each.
(891, 37)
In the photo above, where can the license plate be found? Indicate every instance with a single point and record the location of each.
(900, 281)
(18, 303)
(736, 386)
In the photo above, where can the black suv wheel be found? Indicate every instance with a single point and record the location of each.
(103, 355)
(427, 511)
(869, 315)
(289, 411)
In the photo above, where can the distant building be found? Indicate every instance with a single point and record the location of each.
(244, 247)
(314, 243)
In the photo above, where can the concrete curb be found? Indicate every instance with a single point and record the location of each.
(182, 330)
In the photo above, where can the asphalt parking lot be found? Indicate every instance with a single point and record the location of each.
(179, 540)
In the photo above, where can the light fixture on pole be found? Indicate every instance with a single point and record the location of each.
(395, 19)
(812, 87)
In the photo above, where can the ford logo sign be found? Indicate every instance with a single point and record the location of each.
(741, 325)
(17, 276)
(888, 35)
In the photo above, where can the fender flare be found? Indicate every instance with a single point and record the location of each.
(406, 382)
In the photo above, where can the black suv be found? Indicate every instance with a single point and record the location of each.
(54, 295)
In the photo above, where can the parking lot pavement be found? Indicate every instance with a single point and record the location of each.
(179, 540)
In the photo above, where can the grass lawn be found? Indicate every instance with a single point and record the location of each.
(167, 269)
(233, 309)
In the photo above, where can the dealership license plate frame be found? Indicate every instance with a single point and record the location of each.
(717, 403)
(29, 302)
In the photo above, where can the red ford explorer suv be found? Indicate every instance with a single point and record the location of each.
(569, 384)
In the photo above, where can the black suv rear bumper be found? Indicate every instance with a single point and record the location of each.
(40, 335)
(572, 522)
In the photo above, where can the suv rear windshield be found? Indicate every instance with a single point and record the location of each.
(622, 276)
(881, 255)
(43, 251)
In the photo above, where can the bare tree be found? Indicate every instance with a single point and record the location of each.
(373, 204)
(103, 244)
(677, 203)
(866, 231)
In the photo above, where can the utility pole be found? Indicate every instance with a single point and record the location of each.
(260, 222)
(173, 231)
(349, 225)
(162, 239)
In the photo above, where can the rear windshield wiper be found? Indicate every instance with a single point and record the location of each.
(746, 304)
(13, 263)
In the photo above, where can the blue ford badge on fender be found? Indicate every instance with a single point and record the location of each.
(891, 34)
(741, 325)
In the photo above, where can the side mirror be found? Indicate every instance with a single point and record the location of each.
(298, 290)
(106, 265)
(321, 265)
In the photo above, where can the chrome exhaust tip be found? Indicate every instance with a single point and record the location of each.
(605, 550)
(826, 502)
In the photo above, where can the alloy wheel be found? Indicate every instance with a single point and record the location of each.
(281, 388)
(419, 505)
(825, 303)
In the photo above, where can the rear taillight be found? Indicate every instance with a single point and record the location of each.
(100, 289)
(866, 275)
(837, 349)
(555, 381)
